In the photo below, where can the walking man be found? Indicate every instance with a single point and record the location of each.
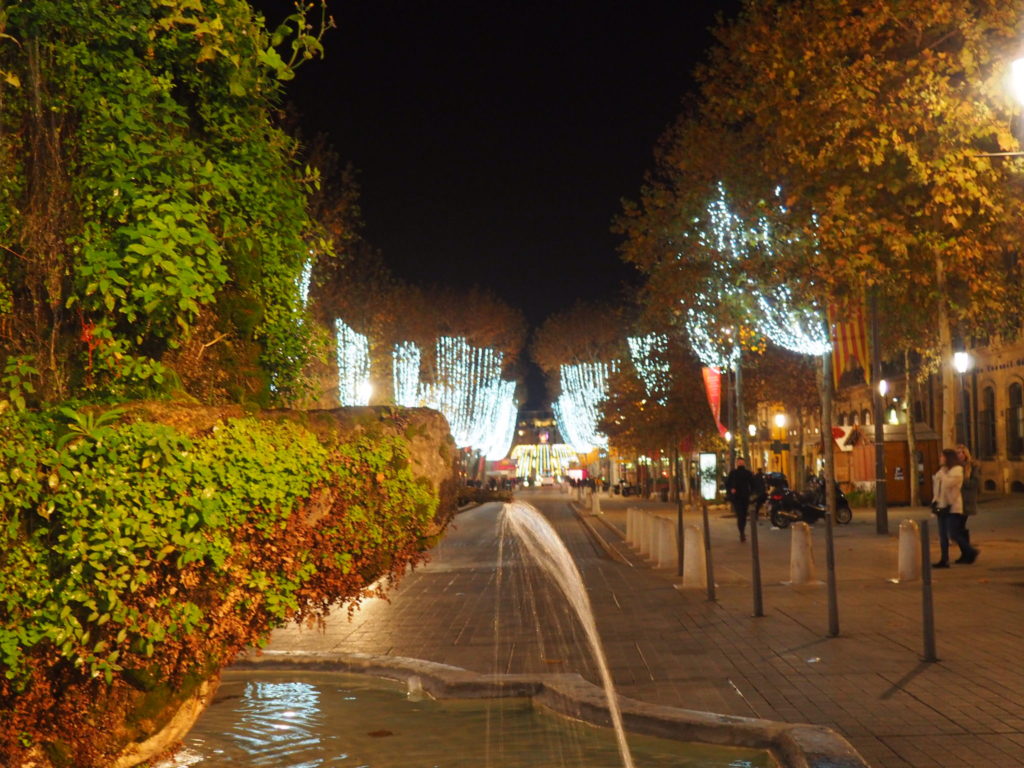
(738, 485)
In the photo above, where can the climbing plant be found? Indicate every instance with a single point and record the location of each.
(135, 560)
(150, 208)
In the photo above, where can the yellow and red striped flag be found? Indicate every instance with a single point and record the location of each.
(849, 333)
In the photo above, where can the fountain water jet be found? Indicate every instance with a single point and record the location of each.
(549, 552)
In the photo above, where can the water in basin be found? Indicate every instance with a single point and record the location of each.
(308, 720)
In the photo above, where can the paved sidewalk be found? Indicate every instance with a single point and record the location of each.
(673, 647)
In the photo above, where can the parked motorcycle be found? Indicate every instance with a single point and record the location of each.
(786, 505)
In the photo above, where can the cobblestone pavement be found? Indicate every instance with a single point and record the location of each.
(672, 646)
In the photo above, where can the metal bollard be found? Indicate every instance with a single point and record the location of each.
(927, 608)
(755, 564)
(707, 555)
(830, 568)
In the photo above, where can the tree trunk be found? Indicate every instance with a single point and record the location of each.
(948, 433)
(382, 378)
(741, 419)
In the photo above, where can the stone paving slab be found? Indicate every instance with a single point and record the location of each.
(673, 647)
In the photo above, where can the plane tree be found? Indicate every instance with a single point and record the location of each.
(875, 122)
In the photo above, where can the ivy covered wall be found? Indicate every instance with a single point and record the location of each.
(153, 217)
(143, 548)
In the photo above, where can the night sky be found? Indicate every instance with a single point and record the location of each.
(494, 141)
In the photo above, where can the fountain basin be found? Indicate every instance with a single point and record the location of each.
(791, 745)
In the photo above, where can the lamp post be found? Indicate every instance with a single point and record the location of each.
(780, 442)
(961, 363)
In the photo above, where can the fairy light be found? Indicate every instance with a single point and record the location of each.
(405, 368)
(305, 280)
(503, 423)
(648, 354)
(584, 386)
(713, 334)
(800, 329)
(760, 313)
(353, 351)
(543, 459)
(468, 389)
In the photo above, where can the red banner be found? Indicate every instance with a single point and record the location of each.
(713, 387)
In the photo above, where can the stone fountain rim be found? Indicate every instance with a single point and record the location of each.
(793, 745)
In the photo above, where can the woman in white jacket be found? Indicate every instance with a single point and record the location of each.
(949, 507)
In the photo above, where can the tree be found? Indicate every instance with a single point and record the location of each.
(874, 117)
(586, 332)
(148, 199)
(637, 422)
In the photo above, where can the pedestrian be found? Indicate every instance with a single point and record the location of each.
(738, 484)
(948, 505)
(971, 488)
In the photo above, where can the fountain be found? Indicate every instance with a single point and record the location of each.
(548, 551)
(328, 737)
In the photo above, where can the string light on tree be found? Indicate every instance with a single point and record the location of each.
(305, 280)
(649, 355)
(405, 369)
(734, 312)
(584, 386)
(479, 406)
(353, 354)
(800, 329)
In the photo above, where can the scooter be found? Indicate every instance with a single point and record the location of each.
(786, 506)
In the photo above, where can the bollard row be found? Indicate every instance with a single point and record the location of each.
(654, 538)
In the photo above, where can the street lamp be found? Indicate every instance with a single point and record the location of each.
(1017, 80)
(780, 444)
(962, 362)
(752, 430)
(883, 387)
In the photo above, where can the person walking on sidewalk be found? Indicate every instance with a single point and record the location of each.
(971, 488)
(738, 484)
(949, 507)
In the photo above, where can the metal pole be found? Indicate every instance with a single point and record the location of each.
(709, 568)
(927, 608)
(679, 522)
(830, 565)
(881, 500)
(755, 566)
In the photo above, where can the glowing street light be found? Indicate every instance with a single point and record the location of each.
(752, 430)
(780, 420)
(1017, 80)
(961, 362)
(883, 387)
